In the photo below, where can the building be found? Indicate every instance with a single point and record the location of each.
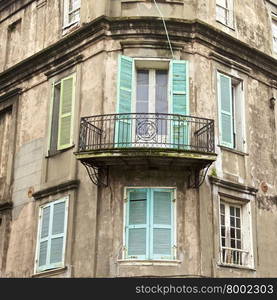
(138, 138)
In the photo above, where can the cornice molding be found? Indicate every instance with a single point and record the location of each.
(5, 206)
(59, 188)
(146, 29)
(10, 94)
(233, 186)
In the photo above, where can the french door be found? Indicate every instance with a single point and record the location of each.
(151, 105)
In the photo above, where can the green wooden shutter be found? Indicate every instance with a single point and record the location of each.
(225, 110)
(162, 234)
(65, 139)
(137, 227)
(179, 103)
(124, 102)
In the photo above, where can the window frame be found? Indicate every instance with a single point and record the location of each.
(274, 24)
(246, 226)
(150, 189)
(67, 12)
(229, 9)
(49, 266)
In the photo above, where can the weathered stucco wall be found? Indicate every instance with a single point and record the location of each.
(95, 226)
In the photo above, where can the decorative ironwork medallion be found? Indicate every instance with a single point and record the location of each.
(146, 131)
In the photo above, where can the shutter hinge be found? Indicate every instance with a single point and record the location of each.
(125, 199)
(174, 200)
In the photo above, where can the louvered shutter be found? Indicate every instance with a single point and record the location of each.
(44, 237)
(57, 236)
(179, 100)
(225, 110)
(124, 102)
(137, 229)
(162, 224)
(65, 139)
(52, 235)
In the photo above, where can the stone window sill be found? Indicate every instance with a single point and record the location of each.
(233, 150)
(246, 268)
(133, 262)
(49, 273)
(227, 26)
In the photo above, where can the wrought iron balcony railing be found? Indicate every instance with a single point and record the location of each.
(146, 130)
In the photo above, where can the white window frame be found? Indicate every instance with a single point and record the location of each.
(238, 114)
(67, 12)
(274, 32)
(124, 253)
(247, 257)
(59, 264)
(229, 9)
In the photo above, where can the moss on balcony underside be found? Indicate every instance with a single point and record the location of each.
(142, 156)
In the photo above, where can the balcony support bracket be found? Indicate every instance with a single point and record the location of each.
(98, 176)
(197, 176)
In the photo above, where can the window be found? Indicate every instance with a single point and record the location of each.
(235, 234)
(150, 224)
(274, 32)
(52, 235)
(5, 131)
(62, 115)
(71, 12)
(231, 112)
(152, 87)
(224, 12)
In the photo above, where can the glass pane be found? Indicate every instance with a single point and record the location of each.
(237, 212)
(223, 242)
(232, 233)
(222, 3)
(142, 91)
(232, 220)
(238, 234)
(238, 245)
(74, 4)
(222, 209)
(232, 211)
(74, 16)
(238, 223)
(161, 100)
(223, 232)
(233, 243)
(221, 14)
(161, 91)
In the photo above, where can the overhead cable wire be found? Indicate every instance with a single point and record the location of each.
(161, 15)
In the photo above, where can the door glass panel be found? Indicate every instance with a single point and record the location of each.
(161, 103)
(142, 91)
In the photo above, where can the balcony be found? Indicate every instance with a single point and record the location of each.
(146, 139)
